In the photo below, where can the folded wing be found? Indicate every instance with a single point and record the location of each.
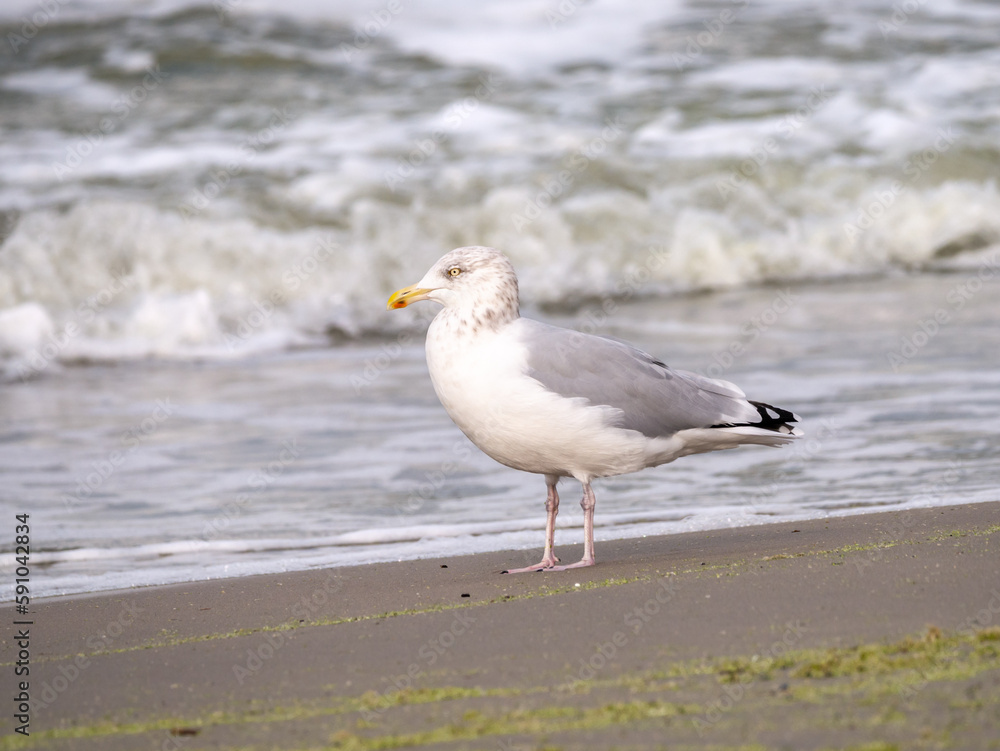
(651, 397)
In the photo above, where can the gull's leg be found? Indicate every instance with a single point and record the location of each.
(551, 509)
(587, 503)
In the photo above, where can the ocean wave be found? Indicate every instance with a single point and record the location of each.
(312, 157)
(117, 280)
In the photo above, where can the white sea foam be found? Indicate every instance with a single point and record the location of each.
(111, 279)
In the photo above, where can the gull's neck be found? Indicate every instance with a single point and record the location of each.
(474, 317)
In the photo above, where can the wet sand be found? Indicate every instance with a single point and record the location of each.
(819, 634)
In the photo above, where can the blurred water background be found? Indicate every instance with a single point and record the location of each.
(204, 205)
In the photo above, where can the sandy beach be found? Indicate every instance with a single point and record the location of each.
(876, 628)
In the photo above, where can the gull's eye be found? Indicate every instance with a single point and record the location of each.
(454, 271)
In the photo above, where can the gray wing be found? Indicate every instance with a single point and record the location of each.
(653, 398)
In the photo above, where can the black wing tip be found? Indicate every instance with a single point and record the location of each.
(771, 418)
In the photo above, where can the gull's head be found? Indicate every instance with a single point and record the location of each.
(478, 282)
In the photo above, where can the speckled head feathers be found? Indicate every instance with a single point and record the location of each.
(476, 284)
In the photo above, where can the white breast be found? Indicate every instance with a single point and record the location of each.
(481, 381)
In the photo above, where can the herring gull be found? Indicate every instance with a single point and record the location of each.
(562, 403)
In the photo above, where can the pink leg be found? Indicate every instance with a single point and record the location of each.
(587, 503)
(551, 509)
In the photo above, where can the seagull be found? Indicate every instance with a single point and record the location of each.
(562, 403)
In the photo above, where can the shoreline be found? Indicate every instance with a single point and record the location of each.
(565, 539)
(372, 656)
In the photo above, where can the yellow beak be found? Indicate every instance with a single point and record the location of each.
(403, 297)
